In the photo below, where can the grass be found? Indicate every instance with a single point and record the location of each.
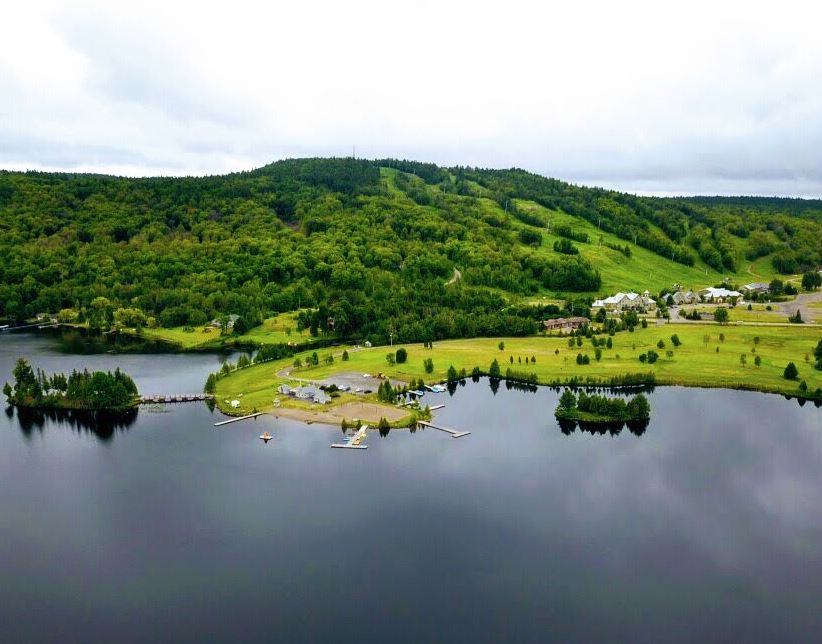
(644, 269)
(695, 363)
(740, 313)
(280, 329)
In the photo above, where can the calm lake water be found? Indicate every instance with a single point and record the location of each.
(706, 527)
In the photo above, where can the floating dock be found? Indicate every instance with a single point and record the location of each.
(436, 407)
(355, 441)
(238, 419)
(454, 433)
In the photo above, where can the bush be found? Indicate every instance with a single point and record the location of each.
(660, 344)
(401, 355)
(428, 363)
(675, 340)
(345, 355)
(791, 372)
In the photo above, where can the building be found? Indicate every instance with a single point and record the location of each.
(684, 297)
(229, 325)
(562, 324)
(626, 302)
(284, 389)
(312, 393)
(756, 287)
(719, 295)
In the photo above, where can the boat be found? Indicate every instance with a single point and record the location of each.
(266, 436)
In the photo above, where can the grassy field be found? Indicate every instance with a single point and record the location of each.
(644, 269)
(703, 359)
(758, 313)
(280, 329)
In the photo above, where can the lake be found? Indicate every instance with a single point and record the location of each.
(708, 526)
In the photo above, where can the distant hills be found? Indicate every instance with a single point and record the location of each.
(372, 244)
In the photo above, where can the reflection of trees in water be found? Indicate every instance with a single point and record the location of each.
(384, 431)
(103, 424)
(521, 386)
(613, 428)
(85, 342)
(494, 384)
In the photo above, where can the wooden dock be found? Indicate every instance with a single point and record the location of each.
(175, 398)
(436, 407)
(238, 419)
(355, 442)
(454, 433)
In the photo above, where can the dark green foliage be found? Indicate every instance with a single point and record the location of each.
(675, 340)
(721, 315)
(80, 390)
(494, 370)
(428, 363)
(401, 355)
(565, 247)
(567, 401)
(791, 372)
(345, 355)
(452, 374)
(811, 280)
(385, 392)
(796, 318)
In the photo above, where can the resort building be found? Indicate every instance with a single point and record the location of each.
(562, 324)
(719, 295)
(756, 287)
(626, 302)
(684, 297)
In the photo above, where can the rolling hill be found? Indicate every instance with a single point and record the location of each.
(369, 248)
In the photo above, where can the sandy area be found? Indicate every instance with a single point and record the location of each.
(368, 412)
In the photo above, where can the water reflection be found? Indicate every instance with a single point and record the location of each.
(102, 424)
(612, 428)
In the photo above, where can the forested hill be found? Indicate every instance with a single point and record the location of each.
(378, 246)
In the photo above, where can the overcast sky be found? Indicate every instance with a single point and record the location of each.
(715, 97)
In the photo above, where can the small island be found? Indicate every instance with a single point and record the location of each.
(81, 390)
(601, 409)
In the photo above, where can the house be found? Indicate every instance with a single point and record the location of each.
(626, 302)
(312, 393)
(719, 295)
(565, 323)
(229, 324)
(284, 389)
(756, 287)
(684, 297)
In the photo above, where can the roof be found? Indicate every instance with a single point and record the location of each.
(720, 292)
(756, 286)
(619, 297)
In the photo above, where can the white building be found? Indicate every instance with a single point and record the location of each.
(719, 295)
(626, 302)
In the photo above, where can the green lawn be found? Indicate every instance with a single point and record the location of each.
(696, 362)
(644, 269)
(758, 313)
(280, 329)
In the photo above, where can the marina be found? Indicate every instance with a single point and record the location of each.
(355, 441)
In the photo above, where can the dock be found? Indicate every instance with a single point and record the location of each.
(161, 399)
(355, 441)
(454, 433)
(238, 419)
(436, 407)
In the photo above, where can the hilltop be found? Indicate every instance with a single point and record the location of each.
(370, 248)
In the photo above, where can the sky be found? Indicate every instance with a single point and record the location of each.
(646, 97)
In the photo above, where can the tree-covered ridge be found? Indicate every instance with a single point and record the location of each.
(78, 390)
(370, 246)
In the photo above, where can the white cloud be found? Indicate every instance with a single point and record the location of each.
(703, 97)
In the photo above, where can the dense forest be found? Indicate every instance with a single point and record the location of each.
(79, 390)
(368, 248)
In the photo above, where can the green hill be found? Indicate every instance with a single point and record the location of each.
(369, 248)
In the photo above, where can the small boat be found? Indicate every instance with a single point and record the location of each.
(266, 436)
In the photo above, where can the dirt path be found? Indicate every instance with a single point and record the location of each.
(455, 278)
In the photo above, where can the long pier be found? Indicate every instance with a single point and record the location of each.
(454, 433)
(238, 419)
(176, 398)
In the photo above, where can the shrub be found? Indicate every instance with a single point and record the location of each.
(660, 344)
(791, 372)
(345, 355)
(757, 361)
(401, 355)
(675, 340)
(501, 346)
(428, 363)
